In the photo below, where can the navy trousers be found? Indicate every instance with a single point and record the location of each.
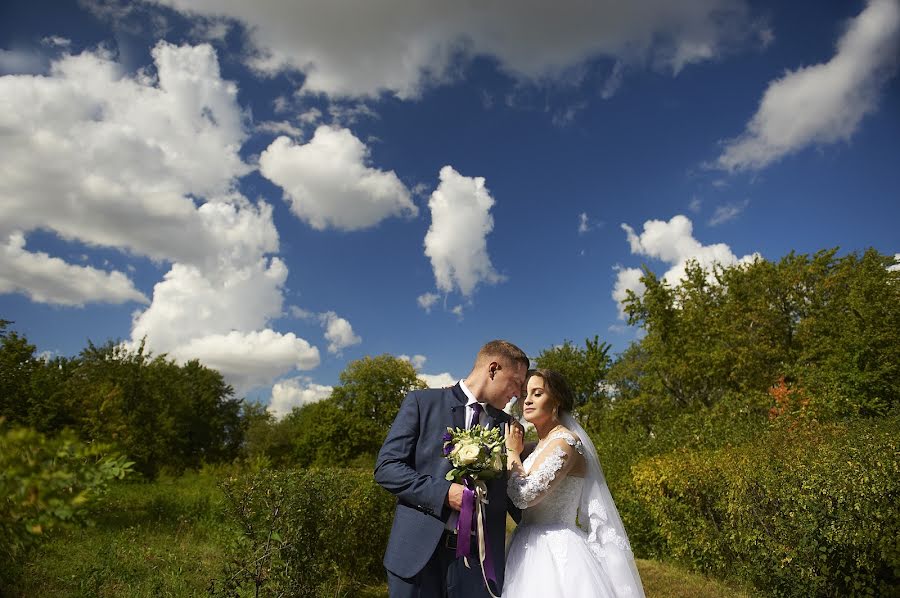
(444, 576)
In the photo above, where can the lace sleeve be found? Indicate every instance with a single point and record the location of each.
(550, 466)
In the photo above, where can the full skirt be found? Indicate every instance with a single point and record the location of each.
(546, 561)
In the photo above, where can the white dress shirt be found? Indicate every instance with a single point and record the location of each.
(454, 516)
(470, 406)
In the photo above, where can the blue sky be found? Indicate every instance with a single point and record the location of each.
(278, 188)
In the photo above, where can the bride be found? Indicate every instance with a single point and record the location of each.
(570, 541)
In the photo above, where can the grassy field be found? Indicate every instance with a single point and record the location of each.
(160, 539)
(166, 539)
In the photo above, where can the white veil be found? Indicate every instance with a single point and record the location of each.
(606, 534)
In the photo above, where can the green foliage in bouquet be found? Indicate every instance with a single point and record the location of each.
(808, 510)
(475, 453)
(46, 483)
(308, 532)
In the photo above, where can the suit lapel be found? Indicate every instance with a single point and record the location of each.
(495, 417)
(458, 410)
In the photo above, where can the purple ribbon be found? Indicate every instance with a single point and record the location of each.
(488, 564)
(466, 525)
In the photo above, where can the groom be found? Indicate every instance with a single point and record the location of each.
(421, 553)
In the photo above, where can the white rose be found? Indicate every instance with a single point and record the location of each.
(498, 463)
(468, 454)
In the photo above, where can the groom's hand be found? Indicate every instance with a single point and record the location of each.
(455, 496)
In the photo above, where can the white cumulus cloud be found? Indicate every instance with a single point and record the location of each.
(328, 182)
(250, 359)
(112, 160)
(191, 303)
(432, 380)
(456, 242)
(417, 361)
(147, 163)
(338, 332)
(295, 392)
(20, 61)
(627, 279)
(822, 103)
(47, 279)
(441, 380)
(672, 242)
(349, 48)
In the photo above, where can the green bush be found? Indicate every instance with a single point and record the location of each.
(306, 532)
(46, 483)
(803, 511)
(620, 447)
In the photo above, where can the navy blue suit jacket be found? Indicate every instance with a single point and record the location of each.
(412, 466)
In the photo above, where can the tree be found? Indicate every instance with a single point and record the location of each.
(163, 415)
(206, 414)
(584, 368)
(17, 363)
(372, 389)
(160, 413)
(849, 361)
(328, 436)
(726, 335)
(349, 427)
(51, 409)
(257, 423)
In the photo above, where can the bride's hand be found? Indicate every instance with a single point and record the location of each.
(515, 438)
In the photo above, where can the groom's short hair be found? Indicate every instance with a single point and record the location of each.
(504, 350)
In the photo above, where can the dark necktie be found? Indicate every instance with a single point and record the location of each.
(476, 415)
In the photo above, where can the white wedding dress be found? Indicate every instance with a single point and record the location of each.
(549, 554)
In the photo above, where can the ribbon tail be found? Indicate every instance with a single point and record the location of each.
(464, 524)
(484, 553)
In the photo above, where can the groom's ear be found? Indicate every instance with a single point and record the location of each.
(492, 369)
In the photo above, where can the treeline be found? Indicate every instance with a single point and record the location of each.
(828, 327)
(162, 415)
(69, 426)
(344, 430)
(751, 432)
(168, 417)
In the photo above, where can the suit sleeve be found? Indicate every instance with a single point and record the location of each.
(395, 467)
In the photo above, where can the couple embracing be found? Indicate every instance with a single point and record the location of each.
(569, 540)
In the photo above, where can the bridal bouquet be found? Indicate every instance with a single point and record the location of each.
(475, 453)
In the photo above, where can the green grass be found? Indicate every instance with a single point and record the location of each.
(663, 580)
(159, 539)
(166, 539)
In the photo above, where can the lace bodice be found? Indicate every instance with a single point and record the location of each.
(559, 507)
(545, 493)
